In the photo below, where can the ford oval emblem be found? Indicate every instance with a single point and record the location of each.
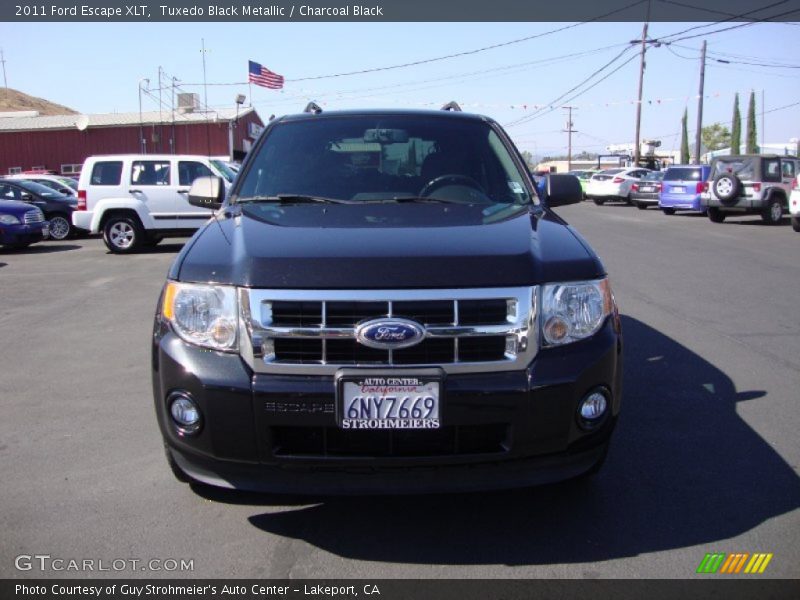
(389, 333)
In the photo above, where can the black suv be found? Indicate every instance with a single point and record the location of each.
(383, 304)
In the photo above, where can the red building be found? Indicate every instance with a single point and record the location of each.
(61, 143)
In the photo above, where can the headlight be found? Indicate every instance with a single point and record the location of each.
(9, 220)
(202, 314)
(574, 311)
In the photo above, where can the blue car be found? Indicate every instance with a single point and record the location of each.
(681, 188)
(21, 224)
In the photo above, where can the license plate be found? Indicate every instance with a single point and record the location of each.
(678, 189)
(389, 402)
(647, 188)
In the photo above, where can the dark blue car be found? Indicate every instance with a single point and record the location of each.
(681, 188)
(21, 224)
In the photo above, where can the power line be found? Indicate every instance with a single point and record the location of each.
(731, 18)
(719, 12)
(540, 113)
(476, 50)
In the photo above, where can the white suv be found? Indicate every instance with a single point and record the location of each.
(139, 199)
(794, 204)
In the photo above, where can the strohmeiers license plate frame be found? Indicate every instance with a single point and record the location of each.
(388, 377)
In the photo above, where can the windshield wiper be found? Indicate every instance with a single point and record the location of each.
(292, 199)
(411, 199)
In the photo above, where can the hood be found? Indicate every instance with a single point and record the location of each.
(384, 246)
(14, 207)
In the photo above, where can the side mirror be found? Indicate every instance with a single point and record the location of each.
(207, 192)
(563, 190)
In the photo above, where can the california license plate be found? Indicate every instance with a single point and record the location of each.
(678, 189)
(389, 402)
(647, 188)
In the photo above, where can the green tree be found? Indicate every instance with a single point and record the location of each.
(685, 137)
(715, 136)
(752, 145)
(736, 127)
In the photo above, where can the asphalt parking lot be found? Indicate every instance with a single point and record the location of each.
(705, 458)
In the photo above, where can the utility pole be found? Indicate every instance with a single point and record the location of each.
(3, 62)
(698, 135)
(636, 148)
(160, 117)
(205, 94)
(763, 112)
(569, 130)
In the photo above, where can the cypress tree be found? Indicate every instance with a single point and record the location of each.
(752, 145)
(736, 127)
(685, 138)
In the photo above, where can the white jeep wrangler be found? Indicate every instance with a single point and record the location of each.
(749, 184)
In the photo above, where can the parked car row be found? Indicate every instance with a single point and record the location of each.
(766, 185)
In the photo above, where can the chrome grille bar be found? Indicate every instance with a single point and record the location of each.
(519, 329)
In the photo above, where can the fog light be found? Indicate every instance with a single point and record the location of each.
(185, 413)
(593, 408)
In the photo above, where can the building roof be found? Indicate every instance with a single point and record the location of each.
(28, 123)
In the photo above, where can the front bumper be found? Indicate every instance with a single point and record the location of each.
(24, 234)
(278, 433)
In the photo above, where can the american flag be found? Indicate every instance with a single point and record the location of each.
(263, 76)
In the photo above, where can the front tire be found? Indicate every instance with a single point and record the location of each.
(772, 214)
(715, 215)
(60, 227)
(123, 234)
(796, 224)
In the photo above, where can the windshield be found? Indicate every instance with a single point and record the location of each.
(385, 158)
(224, 170)
(41, 190)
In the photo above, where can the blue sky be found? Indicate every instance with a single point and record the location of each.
(96, 68)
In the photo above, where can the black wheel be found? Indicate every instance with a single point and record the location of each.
(60, 227)
(726, 187)
(599, 201)
(641, 205)
(796, 223)
(668, 211)
(628, 200)
(179, 473)
(715, 215)
(772, 213)
(123, 234)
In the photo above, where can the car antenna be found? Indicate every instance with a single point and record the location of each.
(452, 105)
(313, 108)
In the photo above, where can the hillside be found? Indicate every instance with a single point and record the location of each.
(14, 100)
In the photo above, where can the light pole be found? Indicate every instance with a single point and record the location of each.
(142, 144)
(239, 99)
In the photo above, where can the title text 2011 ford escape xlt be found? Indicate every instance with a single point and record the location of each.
(384, 304)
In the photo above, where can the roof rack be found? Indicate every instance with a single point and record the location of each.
(313, 108)
(452, 105)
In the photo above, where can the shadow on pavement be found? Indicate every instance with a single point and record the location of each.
(684, 469)
(40, 248)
